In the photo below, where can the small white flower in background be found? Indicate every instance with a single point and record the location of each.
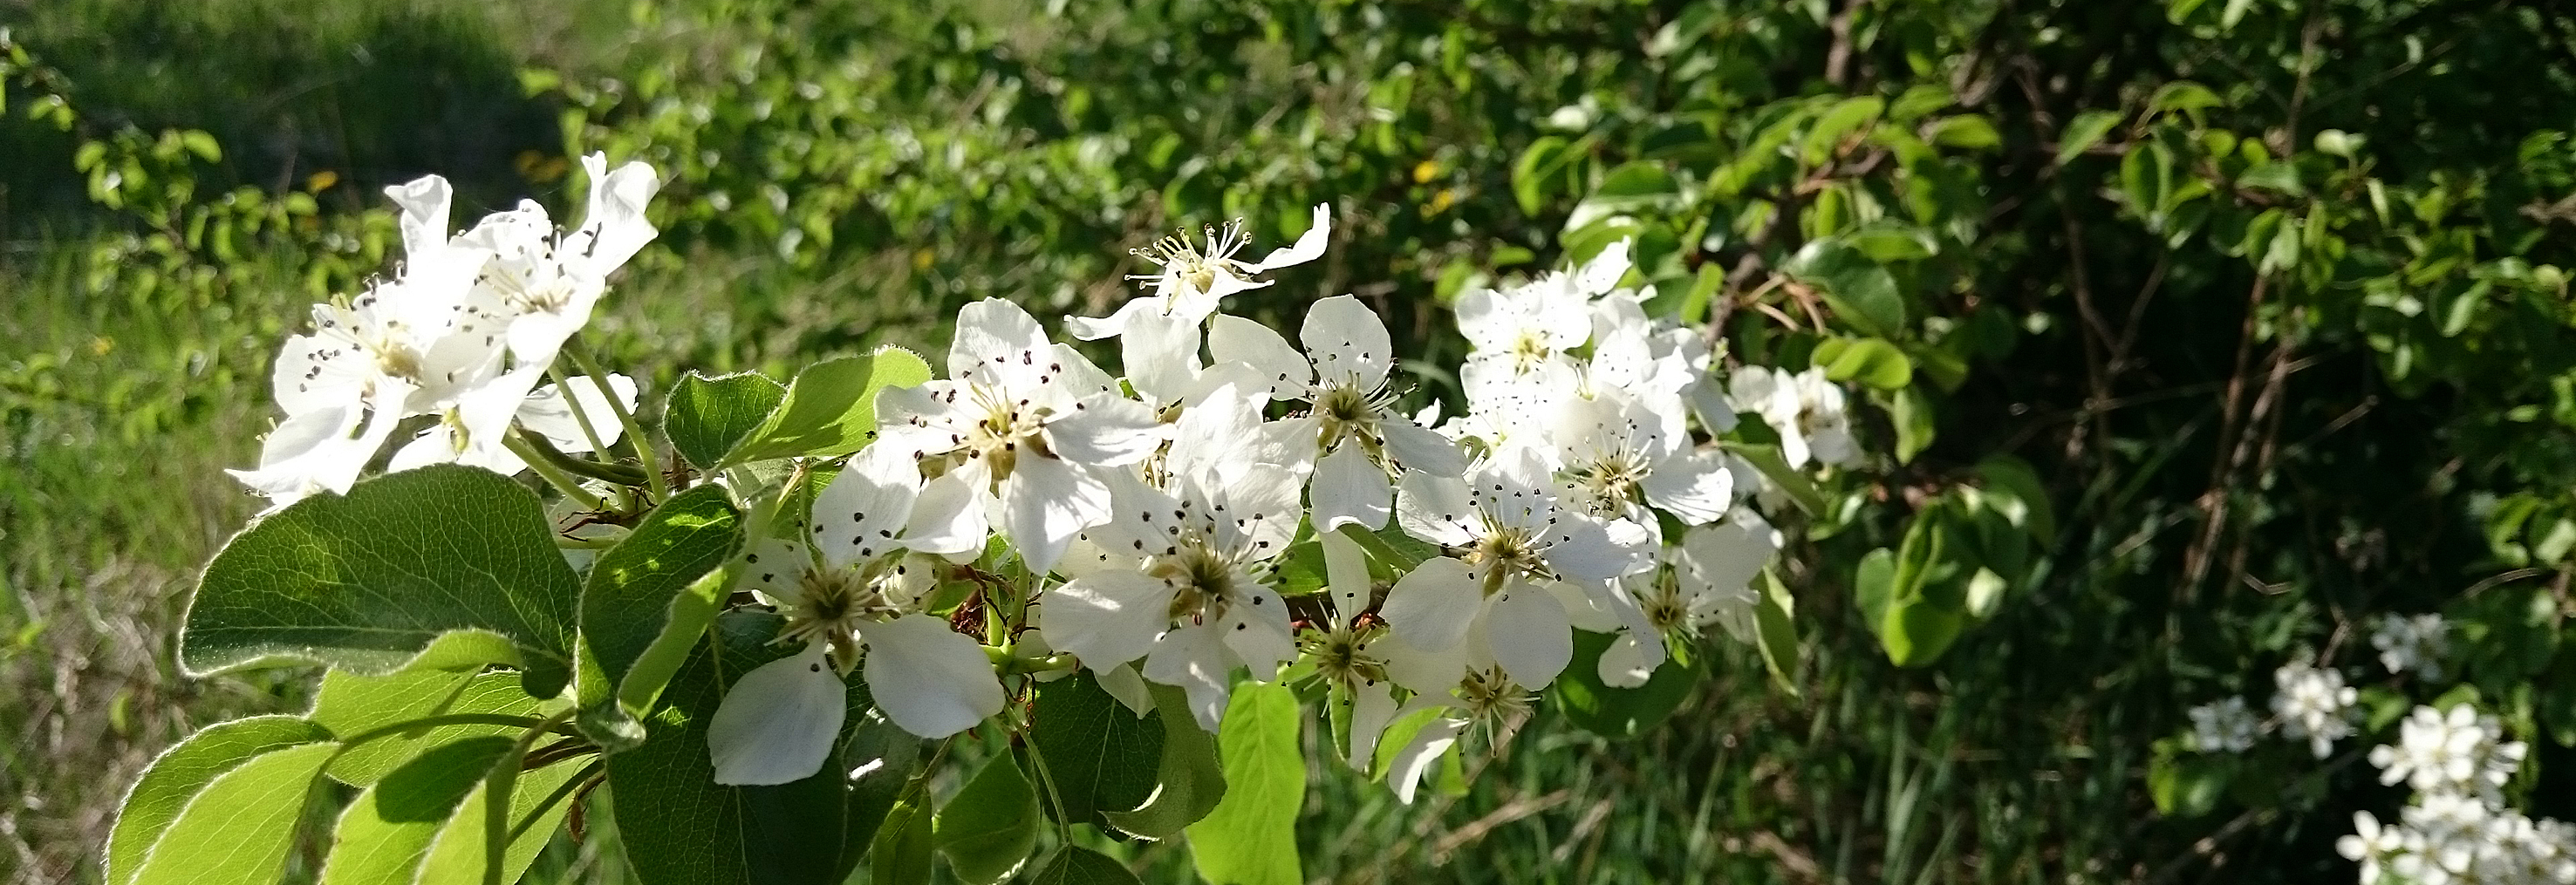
(1807, 411)
(1359, 439)
(858, 604)
(1194, 280)
(2313, 705)
(2370, 844)
(1016, 430)
(2226, 726)
(2461, 751)
(1518, 560)
(2412, 644)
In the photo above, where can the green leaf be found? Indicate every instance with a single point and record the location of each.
(183, 771)
(1874, 587)
(1844, 117)
(1967, 132)
(202, 144)
(1775, 623)
(831, 407)
(1188, 783)
(901, 854)
(2278, 176)
(2085, 131)
(2013, 488)
(1873, 362)
(1638, 185)
(458, 854)
(1251, 837)
(385, 833)
(2340, 143)
(1918, 629)
(1887, 240)
(1911, 412)
(368, 581)
(679, 827)
(2184, 95)
(1800, 488)
(1100, 755)
(239, 828)
(2186, 785)
(1535, 170)
(1602, 709)
(707, 417)
(1076, 865)
(1861, 292)
(645, 604)
(1393, 547)
(988, 829)
(350, 704)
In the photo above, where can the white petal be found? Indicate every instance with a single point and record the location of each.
(929, 679)
(1108, 430)
(1588, 549)
(1121, 682)
(1345, 339)
(1432, 606)
(1308, 247)
(1161, 354)
(998, 344)
(1417, 449)
(1529, 634)
(614, 220)
(1630, 660)
(1350, 490)
(1694, 487)
(546, 411)
(1045, 502)
(1435, 509)
(860, 514)
(1404, 771)
(1256, 630)
(1346, 574)
(947, 518)
(1428, 672)
(424, 202)
(772, 570)
(1256, 509)
(1193, 658)
(1235, 339)
(1117, 322)
(1109, 617)
(1372, 707)
(778, 721)
(1601, 273)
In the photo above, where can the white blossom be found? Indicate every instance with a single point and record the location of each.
(1807, 411)
(2412, 643)
(2313, 705)
(1192, 280)
(2226, 726)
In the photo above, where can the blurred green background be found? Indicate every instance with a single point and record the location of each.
(2268, 291)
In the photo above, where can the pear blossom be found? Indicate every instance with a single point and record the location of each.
(1192, 280)
(1179, 572)
(2314, 705)
(1806, 410)
(1351, 418)
(1513, 552)
(2412, 643)
(1521, 326)
(2460, 751)
(1015, 434)
(544, 286)
(856, 602)
(2226, 726)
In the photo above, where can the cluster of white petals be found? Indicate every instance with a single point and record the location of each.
(462, 334)
(2457, 828)
(1155, 513)
(2412, 644)
(2226, 726)
(2313, 704)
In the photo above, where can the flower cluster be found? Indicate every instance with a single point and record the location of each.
(463, 334)
(1161, 517)
(2412, 644)
(2456, 827)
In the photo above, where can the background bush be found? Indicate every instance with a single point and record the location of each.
(2267, 296)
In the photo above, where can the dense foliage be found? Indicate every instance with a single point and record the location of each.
(2263, 303)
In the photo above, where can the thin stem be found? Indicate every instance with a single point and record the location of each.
(580, 415)
(1037, 760)
(496, 796)
(555, 476)
(614, 473)
(634, 434)
(589, 774)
